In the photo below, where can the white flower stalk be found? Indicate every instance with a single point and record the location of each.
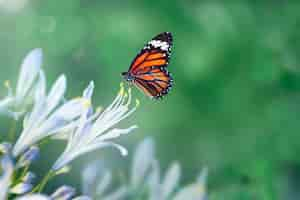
(48, 117)
(96, 132)
(16, 104)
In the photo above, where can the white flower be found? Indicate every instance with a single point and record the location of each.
(47, 117)
(145, 169)
(96, 181)
(142, 161)
(195, 191)
(163, 189)
(90, 175)
(95, 132)
(16, 104)
(5, 179)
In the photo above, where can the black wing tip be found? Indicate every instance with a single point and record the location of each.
(164, 36)
(163, 93)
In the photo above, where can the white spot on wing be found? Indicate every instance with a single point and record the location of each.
(160, 44)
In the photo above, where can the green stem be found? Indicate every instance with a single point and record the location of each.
(25, 170)
(45, 180)
(44, 141)
(43, 183)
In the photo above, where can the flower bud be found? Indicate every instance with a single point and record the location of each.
(21, 188)
(63, 193)
(5, 147)
(29, 177)
(29, 156)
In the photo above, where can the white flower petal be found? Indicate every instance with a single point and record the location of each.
(50, 126)
(104, 183)
(89, 176)
(64, 132)
(70, 110)
(70, 155)
(119, 194)
(154, 182)
(5, 103)
(37, 115)
(82, 198)
(122, 149)
(142, 161)
(202, 178)
(29, 71)
(191, 192)
(88, 92)
(34, 197)
(63, 160)
(38, 126)
(115, 133)
(171, 180)
(63, 193)
(40, 90)
(62, 118)
(90, 135)
(56, 93)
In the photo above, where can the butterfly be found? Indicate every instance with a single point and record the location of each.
(148, 71)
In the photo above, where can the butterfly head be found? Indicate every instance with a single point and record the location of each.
(127, 76)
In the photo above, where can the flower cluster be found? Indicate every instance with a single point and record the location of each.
(145, 180)
(49, 115)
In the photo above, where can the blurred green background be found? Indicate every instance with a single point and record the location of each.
(235, 106)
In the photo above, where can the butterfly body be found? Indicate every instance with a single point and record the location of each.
(148, 71)
(127, 76)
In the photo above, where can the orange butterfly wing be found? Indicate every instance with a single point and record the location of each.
(149, 66)
(155, 83)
